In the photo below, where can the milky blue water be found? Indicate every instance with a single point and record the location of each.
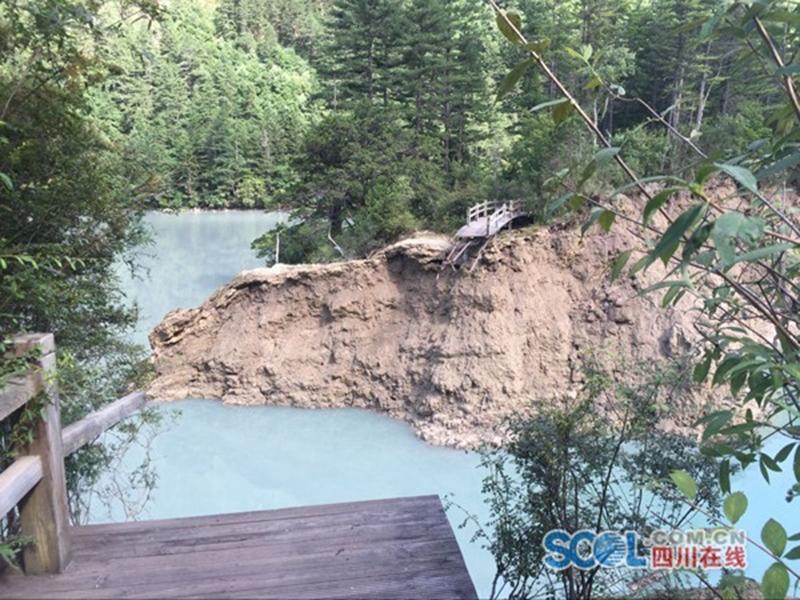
(766, 500)
(193, 253)
(217, 459)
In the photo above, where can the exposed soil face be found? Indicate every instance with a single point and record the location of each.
(452, 352)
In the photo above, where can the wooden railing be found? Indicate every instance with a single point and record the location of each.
(495, 213)
(35, 481)
(488, 208)
(501, 212)
(480, 210)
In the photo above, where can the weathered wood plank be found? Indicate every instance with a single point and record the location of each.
(43, 512)
(269, 565)
(338, 510)
(45, 342)
(419, 584)
(253, 536)
(87, 429)
(419, 578)
(17, 392)
(377, 549)
(20, 478)
(298, 535)
(17, 480)
(305, 543)
(383, 566)
(379, 577)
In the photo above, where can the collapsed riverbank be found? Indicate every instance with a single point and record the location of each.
(454, 353)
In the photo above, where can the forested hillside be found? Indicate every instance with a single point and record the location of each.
(371, 118)
(209, 106)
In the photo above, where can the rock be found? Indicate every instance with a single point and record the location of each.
(454, 353)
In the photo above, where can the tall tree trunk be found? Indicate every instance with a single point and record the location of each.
(611, 118)
(371, 69)
(677, 99)
(725, 105)
(702, 96)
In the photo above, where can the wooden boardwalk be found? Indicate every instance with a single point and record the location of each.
(487, 218)
(401, 548)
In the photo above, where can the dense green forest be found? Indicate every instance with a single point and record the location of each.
(370, 118)
(209, 108)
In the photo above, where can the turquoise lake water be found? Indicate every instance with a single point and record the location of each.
(215, 458)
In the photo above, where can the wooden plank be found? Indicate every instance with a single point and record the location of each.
(289, 561)
(380, 567)
(377, 549)
(379, 574)
(89, 428)
(474, 229)
(45, 342)
(24, 473)
(371, 508)
(429, 576)
(17, 480)
(17, 392)
(433, 582)
(43, 512)
(343, 545)
(307, 541)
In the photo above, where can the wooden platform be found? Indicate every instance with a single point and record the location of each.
(401, 548)
(485, 219)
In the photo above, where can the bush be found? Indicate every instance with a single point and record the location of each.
(644, 150)
(729, 133)
(579, 465)
(385, 217)
(538, 166)
(252, 192)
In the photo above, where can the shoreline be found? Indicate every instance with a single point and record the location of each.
(202, 209)
(454, 354)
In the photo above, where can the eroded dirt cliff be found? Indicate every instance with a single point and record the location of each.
(452, 352)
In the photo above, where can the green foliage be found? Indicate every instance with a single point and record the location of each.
(735, 506)
(645, 148)
(572, 466)
(730, 133)
(10, 549)
(536, 166)
(362, 183)
(67, 210)
(400, 145)
(775, 583)
(747, 314)
(684, 483)
(207, 117)
(260, 25)
(774, 537)
(211, 106)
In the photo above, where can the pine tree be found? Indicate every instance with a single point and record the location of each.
(362, 51)
(208, 121)
(443, 50)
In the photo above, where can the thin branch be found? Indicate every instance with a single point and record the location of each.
(788, 80)
(750, 540)
(572, 101)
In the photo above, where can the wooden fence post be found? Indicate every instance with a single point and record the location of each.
(44, 513)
